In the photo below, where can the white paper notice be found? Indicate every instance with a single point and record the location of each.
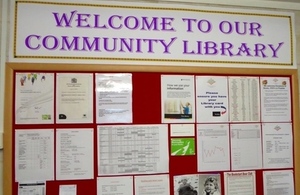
(36, 188)
(177, 99)
(275, 99)
(115, 185)
(34, 102)
(278, 182)
(133, 149)
(74, 98)
(152, 184)
(240, 183)
(74, 154)
(67, 190)
(246, 149)
(34, 155)
(114, 98)
(244, 99)
(181, 130)
(277, 145)
(212, 99)
(213, 147)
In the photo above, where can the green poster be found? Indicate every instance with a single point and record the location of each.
(182, 146)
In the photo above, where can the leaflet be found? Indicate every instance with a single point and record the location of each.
(277, 145)
(114, 98)
(74, 154)
(278, 182)
(237, 183)
(34, 103)
(152, 184)
(74, 98)
(115, 185)
(177, 99)
(275, 99)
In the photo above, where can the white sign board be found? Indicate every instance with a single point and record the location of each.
(150, 32)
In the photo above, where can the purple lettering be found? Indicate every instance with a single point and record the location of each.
(150, 44)
(111, 24)
(81, 19)
(149, 26)
(135, 22)
(87, 46)
(52, 40)
(64, 20)
(185, 48)
(124, 43)
(210, 48)
(97, 17)
(244, 49)
(226, 46)
(201, 23)
(238, 28)
(67, 45)
(260, 48)
(106, 44)
(225, 27)
(28, 42)
(275, 49)
(166, 46)
(255, 27)
(189, 25)
(166, 24)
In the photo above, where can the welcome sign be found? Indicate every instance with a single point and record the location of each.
(151, 32)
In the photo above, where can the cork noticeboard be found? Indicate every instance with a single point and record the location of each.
(142, 75)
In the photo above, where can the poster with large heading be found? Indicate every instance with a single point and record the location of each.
(211, 99)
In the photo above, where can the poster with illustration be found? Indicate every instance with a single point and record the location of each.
(177, 99)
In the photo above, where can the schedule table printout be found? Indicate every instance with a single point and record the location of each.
(132, 149)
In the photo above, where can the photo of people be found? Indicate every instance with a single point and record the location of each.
(175, 108)
(197, 184)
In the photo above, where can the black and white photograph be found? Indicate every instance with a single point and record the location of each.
(197, 184)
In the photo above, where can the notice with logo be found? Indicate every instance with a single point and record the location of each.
(36, 188)
(177, 99)
(34, 102)
(237, 183)
(277, 145)
(114, 98)
(278, 182)
(244, 99)
(74, 154)
(152, 184)
(246, 147)
(213, 147)
(211, 99)
(182, 146)
(34, 155)
(115, 185)
(74, 98)
(275, 99)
